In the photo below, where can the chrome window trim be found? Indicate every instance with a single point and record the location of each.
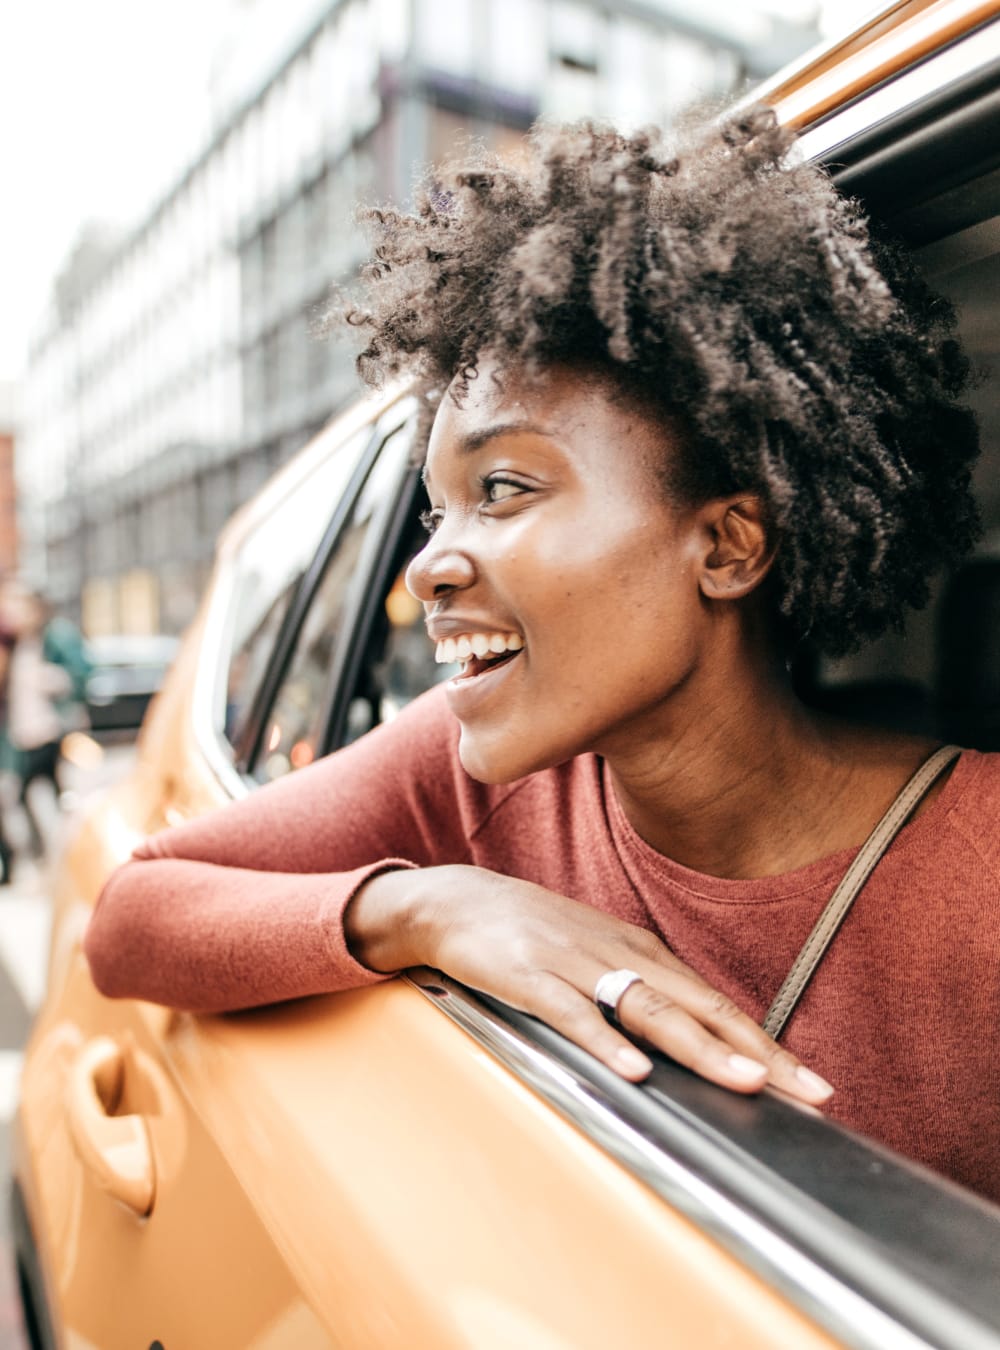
(975, 52)
(821, 1294)
(209, 685)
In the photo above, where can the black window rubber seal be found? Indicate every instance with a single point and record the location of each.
(925, 153)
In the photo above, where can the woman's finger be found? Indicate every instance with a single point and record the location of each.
(581, 1021)
(731, 1024)
(648, 1012)
(707, 1033)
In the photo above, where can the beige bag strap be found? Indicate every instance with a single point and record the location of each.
(854, 878)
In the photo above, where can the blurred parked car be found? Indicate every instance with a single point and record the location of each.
(127, 670)
(413, 1164)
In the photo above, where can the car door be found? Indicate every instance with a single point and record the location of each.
(149, 1236)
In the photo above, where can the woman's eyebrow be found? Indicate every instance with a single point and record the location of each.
(475, 440)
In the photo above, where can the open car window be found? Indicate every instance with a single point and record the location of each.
(879, 1251)
(293, 725)
(394, 659)
(921, 152)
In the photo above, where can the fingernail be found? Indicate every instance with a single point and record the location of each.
(633, 1061)
(747, 1069)
(819, 1087)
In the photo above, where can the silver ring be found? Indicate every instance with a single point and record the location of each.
(611, 986)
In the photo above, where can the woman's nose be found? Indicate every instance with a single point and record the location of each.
(438, 568)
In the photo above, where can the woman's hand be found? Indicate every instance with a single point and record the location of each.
(544, 953)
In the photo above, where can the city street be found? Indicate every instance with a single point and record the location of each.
(24, 933)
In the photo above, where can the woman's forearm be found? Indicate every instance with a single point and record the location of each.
(207, 938)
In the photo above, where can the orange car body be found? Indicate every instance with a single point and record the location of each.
(358, 1170)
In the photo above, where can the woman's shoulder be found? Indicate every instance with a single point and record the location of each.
(971, 803)
(975, 783)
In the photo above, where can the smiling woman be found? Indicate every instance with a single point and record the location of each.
(577, 552)
(686, 422)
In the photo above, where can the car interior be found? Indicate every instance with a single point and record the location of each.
(930, 177)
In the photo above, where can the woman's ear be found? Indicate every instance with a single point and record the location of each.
(740, 547)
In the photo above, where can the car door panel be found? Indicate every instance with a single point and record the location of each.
(370, 1237)
(383, 1121)
(201, 1268)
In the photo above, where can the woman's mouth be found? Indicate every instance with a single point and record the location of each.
(478, 652)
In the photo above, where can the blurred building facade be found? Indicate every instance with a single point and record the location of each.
(178, 365)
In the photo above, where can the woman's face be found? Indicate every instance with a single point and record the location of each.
(558, 559)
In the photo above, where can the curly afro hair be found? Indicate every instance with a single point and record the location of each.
(734, 289)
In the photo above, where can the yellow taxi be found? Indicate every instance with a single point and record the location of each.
(416, 1165)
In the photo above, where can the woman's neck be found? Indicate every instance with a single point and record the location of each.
(760, 786)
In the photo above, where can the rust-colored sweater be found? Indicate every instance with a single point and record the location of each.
(244, 907)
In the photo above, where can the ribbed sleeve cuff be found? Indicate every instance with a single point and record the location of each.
(351, 974)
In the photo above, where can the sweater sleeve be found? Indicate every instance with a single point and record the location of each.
(244, 906)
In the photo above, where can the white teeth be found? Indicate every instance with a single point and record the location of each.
(463, 648)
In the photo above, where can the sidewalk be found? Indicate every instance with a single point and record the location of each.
(24, 942)
(24, 936)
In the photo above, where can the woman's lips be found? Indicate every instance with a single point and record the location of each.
(479, 680)
(476, 665)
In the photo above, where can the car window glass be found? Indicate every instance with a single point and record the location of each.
(407, 667)
(401, 663)
(267, 573)
(295, 724)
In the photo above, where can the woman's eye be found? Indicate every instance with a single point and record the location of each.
(430, 520)
(501, 489)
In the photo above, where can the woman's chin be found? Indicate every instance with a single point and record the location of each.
(504, 759)
(495, 760)
(487, 766)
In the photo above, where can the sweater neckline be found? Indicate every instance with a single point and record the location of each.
(641, 857)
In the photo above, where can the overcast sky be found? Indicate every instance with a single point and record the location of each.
(101, 103)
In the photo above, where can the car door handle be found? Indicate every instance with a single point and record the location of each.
(115, 1149)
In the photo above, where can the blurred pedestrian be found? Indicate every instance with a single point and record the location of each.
(8, 636)
(63, 645)
(41, 704)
